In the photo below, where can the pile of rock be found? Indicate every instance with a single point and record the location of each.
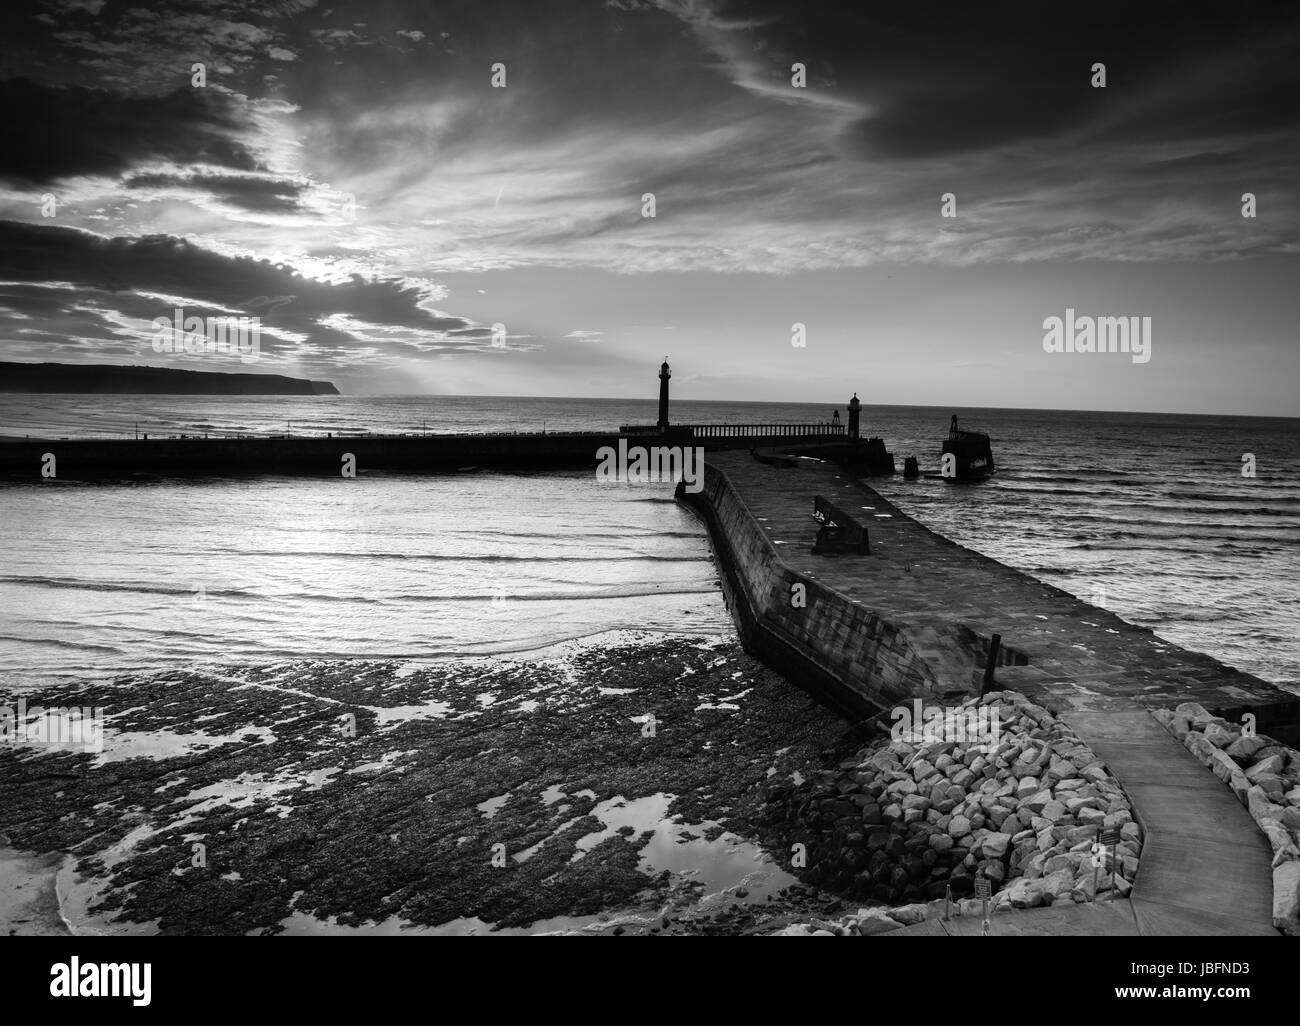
(1264, 774)
(910, 817)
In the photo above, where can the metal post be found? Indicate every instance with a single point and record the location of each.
(994, 646)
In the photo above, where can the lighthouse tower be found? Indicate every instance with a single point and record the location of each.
(664, 375)
(855, 410)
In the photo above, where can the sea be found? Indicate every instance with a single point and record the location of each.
(1189, 525)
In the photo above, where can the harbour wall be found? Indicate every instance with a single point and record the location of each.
(834, 647)
(92, 459)
(914, 617)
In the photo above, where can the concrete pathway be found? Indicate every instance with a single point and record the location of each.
(1205, 867)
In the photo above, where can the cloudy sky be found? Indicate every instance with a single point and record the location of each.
(349, 174)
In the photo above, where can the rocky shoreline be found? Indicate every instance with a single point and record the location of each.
(605, 823)
(911, 821)
(1264, 774)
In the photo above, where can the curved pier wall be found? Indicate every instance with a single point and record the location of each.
(841, 652)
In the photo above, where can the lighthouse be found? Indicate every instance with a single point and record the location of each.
(664, 375)
(855, 410)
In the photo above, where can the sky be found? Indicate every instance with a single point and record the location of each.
(450, 198)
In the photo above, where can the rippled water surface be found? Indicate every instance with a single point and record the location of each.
(1146, 514)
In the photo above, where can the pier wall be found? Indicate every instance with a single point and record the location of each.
(835, 648)
(99, 458)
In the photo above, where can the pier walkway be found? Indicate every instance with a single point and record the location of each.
(1205, 867)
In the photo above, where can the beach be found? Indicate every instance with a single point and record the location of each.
(606, 823)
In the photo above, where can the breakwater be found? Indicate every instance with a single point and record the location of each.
(97, 458)
(914, 617)
(848, 656)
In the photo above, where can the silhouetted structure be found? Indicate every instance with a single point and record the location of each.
(855, 411)
(664, 375)
(972, 454)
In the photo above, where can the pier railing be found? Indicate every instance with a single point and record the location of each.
(765, 430)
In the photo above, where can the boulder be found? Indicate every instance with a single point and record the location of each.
(1286, 898)
(1243, 749)
(941, 842)
(922, 770)
(1220, 737)
(960, 826)
(909, 915)
(1027, 787)
(1272, 765)
(1284, 846)
(1196, 714)
(870, 926)
(1055, 811)
(1199, 747)
(994, 870)
(1025, 893)
(1260, 807)
(994, 846)
(1056, 886)
(1272, 785)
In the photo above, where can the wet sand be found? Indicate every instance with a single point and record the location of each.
(461, 797)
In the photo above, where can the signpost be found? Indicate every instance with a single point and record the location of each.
(984, 891)
(1108, 839)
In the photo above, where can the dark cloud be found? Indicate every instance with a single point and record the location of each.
(262, 193)
(956, 78)
(114, 272)
(57, 132)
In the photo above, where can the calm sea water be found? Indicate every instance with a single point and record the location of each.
(1148, 515)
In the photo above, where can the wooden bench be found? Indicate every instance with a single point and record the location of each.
(839, 532)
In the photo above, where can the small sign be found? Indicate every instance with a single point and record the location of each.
(983, 888)
(1109, 837)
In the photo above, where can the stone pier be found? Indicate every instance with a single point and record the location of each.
(912, 615)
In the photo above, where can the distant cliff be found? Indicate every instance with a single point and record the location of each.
(110, 378)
